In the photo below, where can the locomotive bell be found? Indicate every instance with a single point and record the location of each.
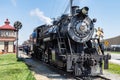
(94, 20)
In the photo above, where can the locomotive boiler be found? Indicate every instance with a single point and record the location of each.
(69, 44)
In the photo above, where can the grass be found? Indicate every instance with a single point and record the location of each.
(113, 52)
(11, 69)
(114, 68)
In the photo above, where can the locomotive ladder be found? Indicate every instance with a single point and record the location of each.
(61, 44)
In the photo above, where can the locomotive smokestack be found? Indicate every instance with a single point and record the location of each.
(74, 8)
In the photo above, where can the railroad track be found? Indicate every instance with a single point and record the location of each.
(104, 78)
(70, 76)
(92, 78)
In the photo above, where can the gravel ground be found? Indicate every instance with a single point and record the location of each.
(111, 76)
(41, 72)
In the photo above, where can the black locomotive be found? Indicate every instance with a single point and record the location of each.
(69, 44)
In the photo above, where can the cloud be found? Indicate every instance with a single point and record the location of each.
(41, 16)
(14, 2)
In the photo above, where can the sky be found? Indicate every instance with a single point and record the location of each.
(33, 13)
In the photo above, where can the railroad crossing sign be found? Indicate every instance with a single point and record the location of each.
(18, 25)
(106, 43)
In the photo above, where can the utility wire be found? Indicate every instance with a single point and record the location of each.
(60, 7)
(67, 8)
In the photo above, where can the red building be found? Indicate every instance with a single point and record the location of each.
(7, 37)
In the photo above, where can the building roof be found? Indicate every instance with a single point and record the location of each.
(114, 40)
(7, 26)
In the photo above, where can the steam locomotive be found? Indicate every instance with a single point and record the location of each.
(69, 44)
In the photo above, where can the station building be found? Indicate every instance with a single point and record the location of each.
(7, 37)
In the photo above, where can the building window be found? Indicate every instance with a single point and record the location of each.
(0, 33)
(6, 33)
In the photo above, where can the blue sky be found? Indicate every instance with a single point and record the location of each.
(33, 13)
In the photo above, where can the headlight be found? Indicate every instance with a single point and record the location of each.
(85, 10)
